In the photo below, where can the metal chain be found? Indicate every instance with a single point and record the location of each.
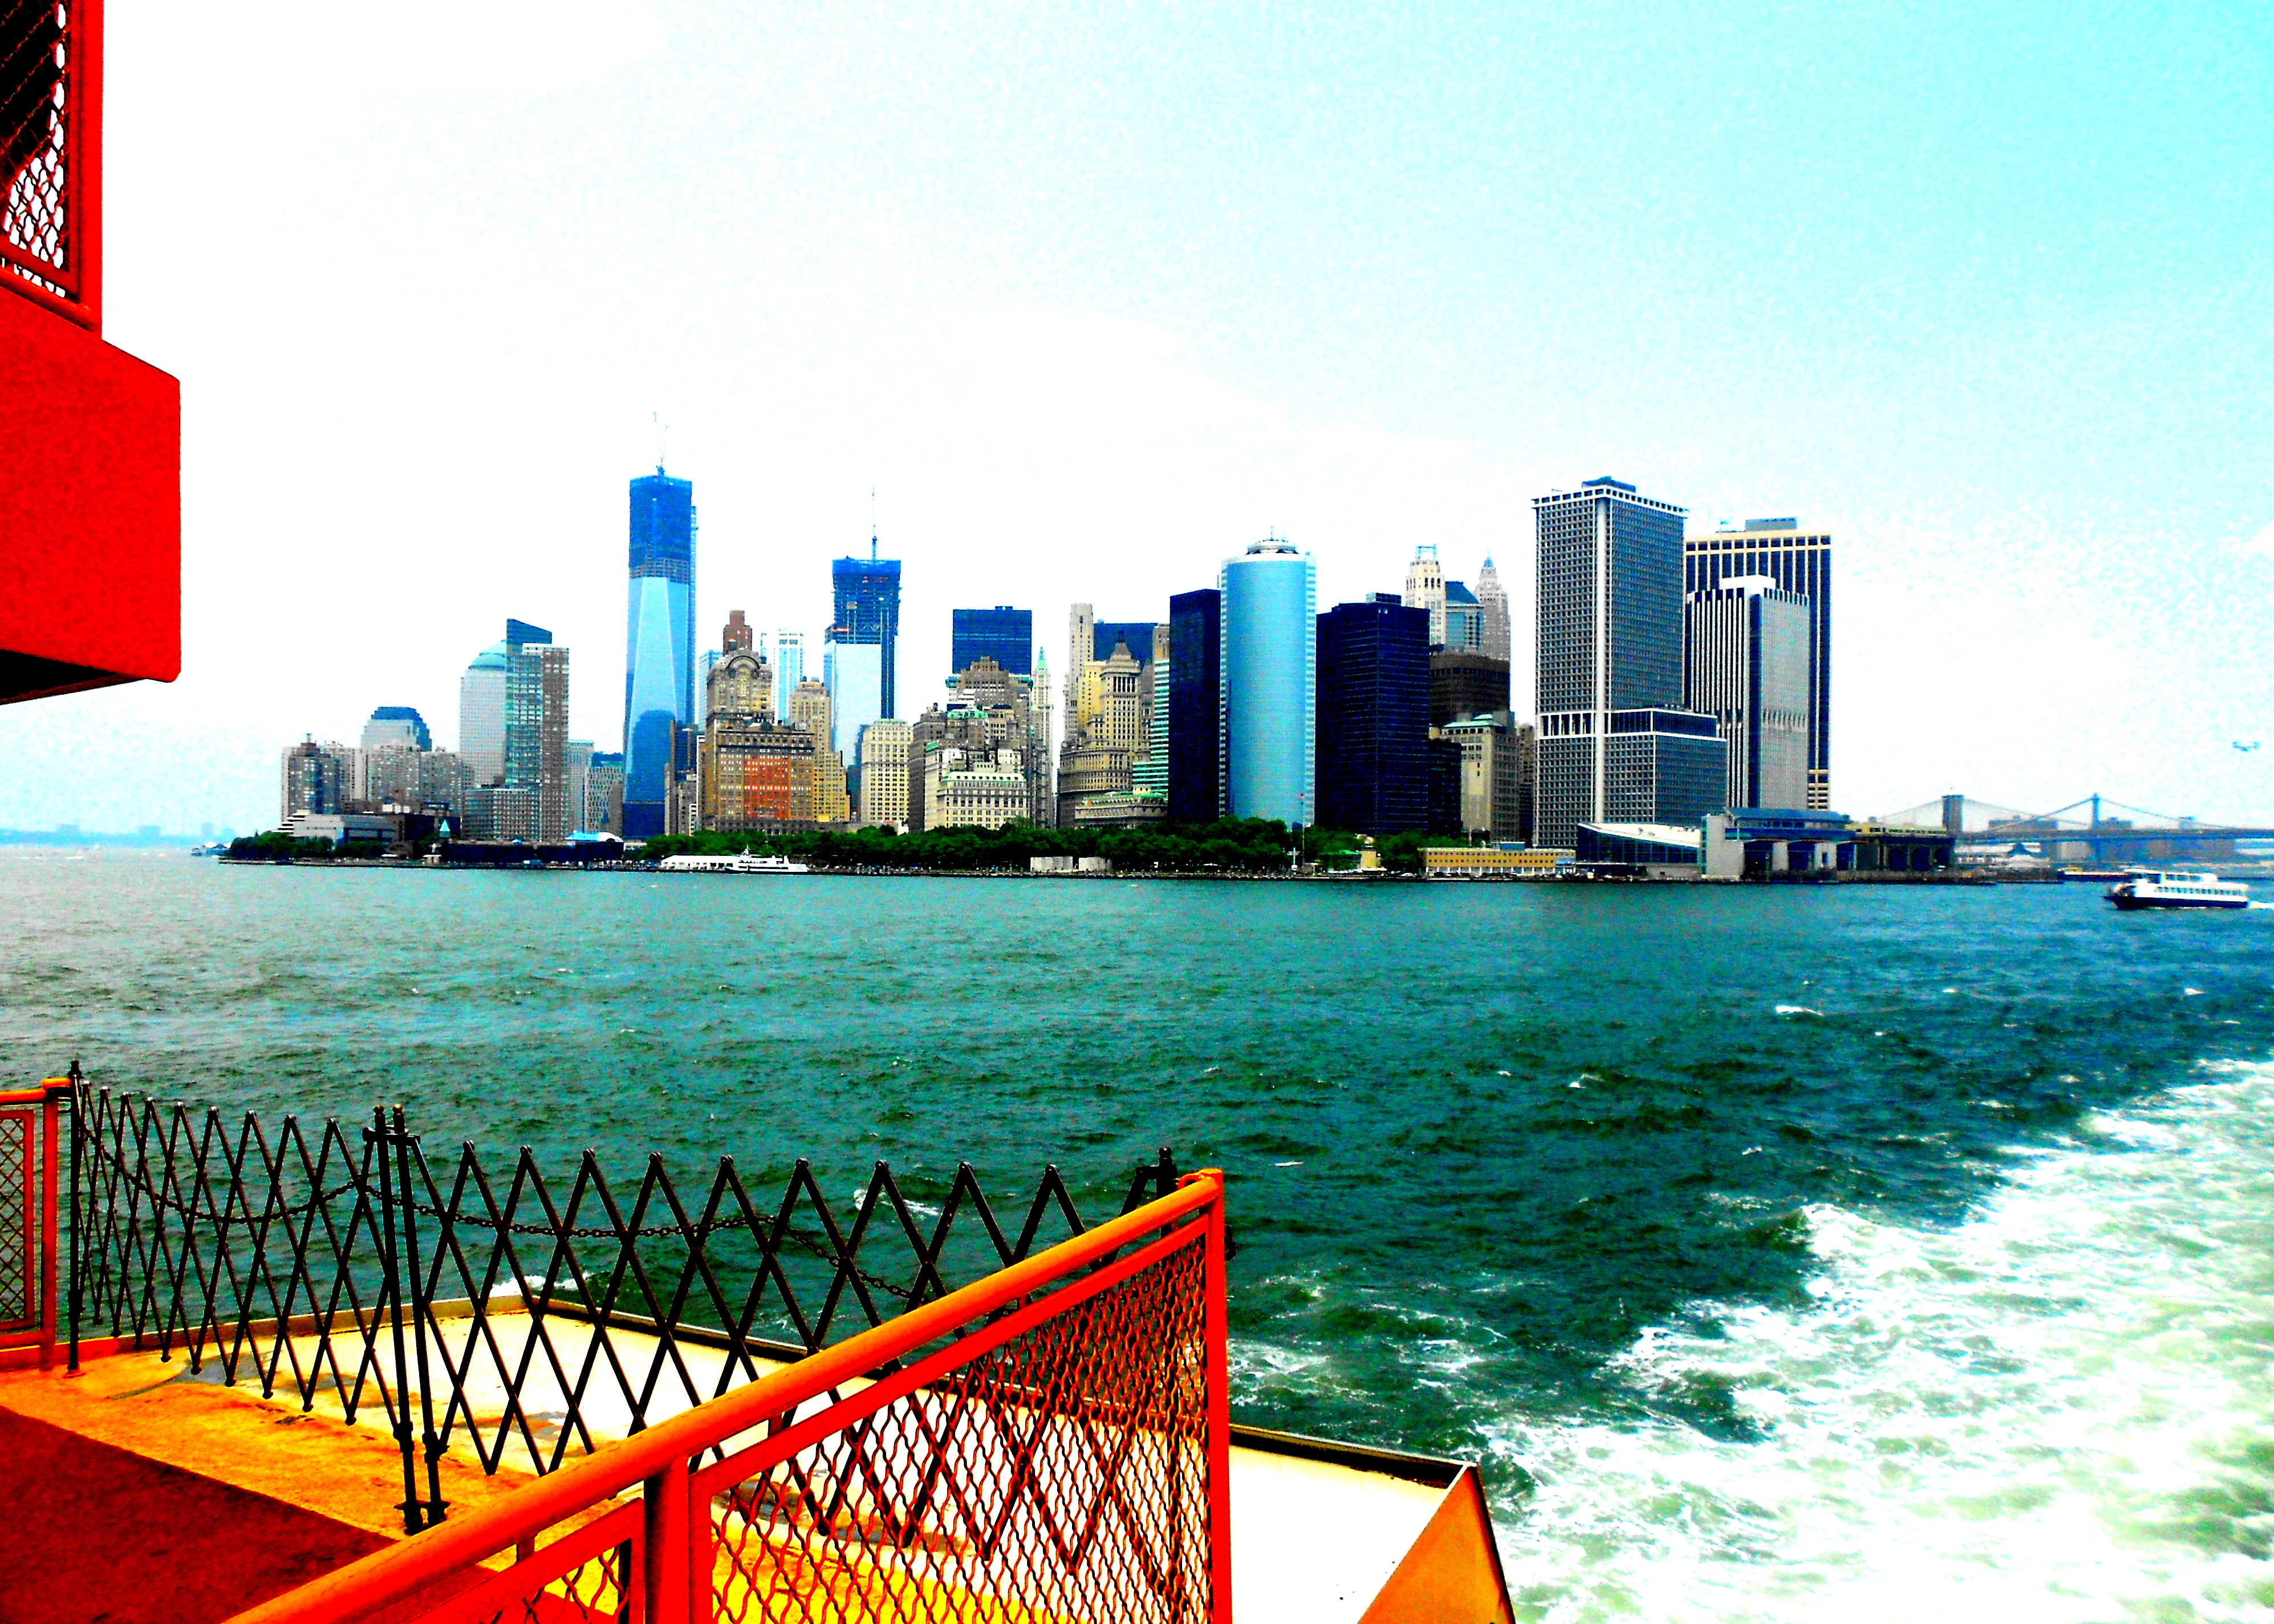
(819, 1245)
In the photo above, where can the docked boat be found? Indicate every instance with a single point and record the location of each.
(2146, 889)
(739, 862)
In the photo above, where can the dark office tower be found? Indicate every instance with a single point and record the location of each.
(1004, 634)
(1800, 562)
(1195, 697)
(658, 643)
(1465, 682)
(1615, 744)
(1373, 717)
(867, 595)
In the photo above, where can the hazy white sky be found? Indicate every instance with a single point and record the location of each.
(1092, 296)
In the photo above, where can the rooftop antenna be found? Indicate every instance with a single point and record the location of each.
(662, 436)
(872, 524)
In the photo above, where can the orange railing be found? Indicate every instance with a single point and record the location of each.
(1048, 1445)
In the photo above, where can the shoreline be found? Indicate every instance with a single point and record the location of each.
(1344, 877)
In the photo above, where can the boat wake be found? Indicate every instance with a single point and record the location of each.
(2061, 1410)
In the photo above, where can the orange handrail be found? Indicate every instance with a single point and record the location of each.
(400, 1571)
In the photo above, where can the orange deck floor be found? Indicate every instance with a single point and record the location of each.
(132, 1494)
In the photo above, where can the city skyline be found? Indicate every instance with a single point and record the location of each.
(1956, 313)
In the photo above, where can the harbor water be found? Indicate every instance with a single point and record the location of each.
(1843, 1252)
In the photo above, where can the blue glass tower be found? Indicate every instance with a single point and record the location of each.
(1004, 634)
(868, 594)
(1373, 716)
(1269, 605)
(658, 643)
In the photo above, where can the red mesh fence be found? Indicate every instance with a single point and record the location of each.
(1061, 1475)
(47, 133)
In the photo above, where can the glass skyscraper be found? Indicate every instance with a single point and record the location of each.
(1004, 634)
(658, 643)
(868, 594)
(1195, 706)
(1373, 716)
(789, 667)
(1615, 744)
(1269, 607)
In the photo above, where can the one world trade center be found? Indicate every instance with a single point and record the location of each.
(659, 645)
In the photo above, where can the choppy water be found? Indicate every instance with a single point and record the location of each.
(1860, 1253)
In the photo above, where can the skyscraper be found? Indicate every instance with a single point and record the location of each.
(1151, 775)
(868, 598)
(1004, 634)
(316, 778)
(789, 663)
(1269, 608)
(658, 643)
(1800, 562)
(1615, 746)
(1747, 643)
(854, 673)
(1464, 619)
(1425, 589)
(536, 726)
(1373, 716)
(884, 773)
(481, 716)
(1492, 598)
(1195, 705)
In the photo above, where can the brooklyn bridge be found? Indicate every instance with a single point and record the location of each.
(2095, 830)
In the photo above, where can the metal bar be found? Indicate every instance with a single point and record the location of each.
(78, 1292)
(1219, 1408)
(665, 1579)
(49, 1109)
(436, 1509)
(400, 1408)
(86, 139)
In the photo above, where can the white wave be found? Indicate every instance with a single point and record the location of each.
(2060, 1411)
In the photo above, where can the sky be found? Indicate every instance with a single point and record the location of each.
(1079, 300)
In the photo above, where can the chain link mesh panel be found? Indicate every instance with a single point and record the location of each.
(1061, 1476)
(20, 1221)
(38, 110)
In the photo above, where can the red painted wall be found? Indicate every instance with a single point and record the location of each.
(90, 501)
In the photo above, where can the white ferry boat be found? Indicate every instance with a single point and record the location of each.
(739, 863)
(2145, 890)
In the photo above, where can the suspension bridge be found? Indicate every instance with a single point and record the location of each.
(2097, 828)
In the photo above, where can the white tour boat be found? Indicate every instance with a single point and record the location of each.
(739, 862)
(2145, 890)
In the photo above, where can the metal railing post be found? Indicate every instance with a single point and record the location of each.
(392, 1287)
(78, 1250)
(50, 1107)
(436, 1507)
(667, 1579)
